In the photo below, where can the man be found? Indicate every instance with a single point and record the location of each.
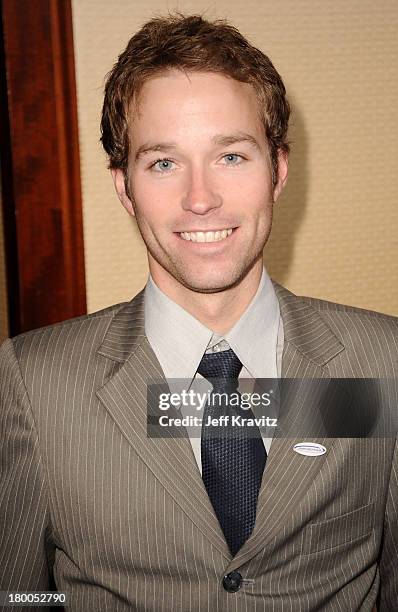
(195, 122)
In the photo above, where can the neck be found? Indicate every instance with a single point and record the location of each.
(218, 311)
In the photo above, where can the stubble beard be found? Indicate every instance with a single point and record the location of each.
(175, 268)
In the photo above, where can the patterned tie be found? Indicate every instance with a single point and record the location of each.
(232, 465)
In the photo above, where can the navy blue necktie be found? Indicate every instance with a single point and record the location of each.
(233, 458)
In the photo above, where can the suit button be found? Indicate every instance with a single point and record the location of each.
(232, 582)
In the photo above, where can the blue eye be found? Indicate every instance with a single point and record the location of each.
(234, 158)
(163, 165)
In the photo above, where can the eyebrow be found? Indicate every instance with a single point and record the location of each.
(223, 140)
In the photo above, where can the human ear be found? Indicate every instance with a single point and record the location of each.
(118, 177)
(281, 176)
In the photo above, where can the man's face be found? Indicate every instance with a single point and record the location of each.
(200, 181)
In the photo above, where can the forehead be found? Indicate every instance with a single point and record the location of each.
(176, 97)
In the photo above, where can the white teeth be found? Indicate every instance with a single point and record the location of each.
(206, 236)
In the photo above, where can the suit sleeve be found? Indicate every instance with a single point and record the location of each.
(388, 596)
(26, 551)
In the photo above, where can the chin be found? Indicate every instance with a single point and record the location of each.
(210, 283)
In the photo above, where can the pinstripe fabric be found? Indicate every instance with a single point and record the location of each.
(125, 521)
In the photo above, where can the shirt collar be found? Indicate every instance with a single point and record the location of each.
(254, 336)
(179, 340)
(176, 337)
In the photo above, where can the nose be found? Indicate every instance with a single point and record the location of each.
(200, 197)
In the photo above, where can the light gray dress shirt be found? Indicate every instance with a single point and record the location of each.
(179, 341)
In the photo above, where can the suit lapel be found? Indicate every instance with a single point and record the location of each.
(308, 345)
(170, 459)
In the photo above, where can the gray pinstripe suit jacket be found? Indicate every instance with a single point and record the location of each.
(124, 522)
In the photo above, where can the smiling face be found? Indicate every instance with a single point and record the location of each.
(200, 181)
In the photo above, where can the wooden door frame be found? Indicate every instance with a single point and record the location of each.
(40, 164)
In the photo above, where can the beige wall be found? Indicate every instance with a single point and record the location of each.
(3, 288)
(336, 227)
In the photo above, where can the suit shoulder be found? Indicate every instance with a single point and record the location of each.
(92, 326)
(357, 324)
(370, 338)
(331, 309)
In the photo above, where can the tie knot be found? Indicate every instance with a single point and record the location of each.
(224, 365)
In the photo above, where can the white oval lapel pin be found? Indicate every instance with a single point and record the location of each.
(311, 449)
